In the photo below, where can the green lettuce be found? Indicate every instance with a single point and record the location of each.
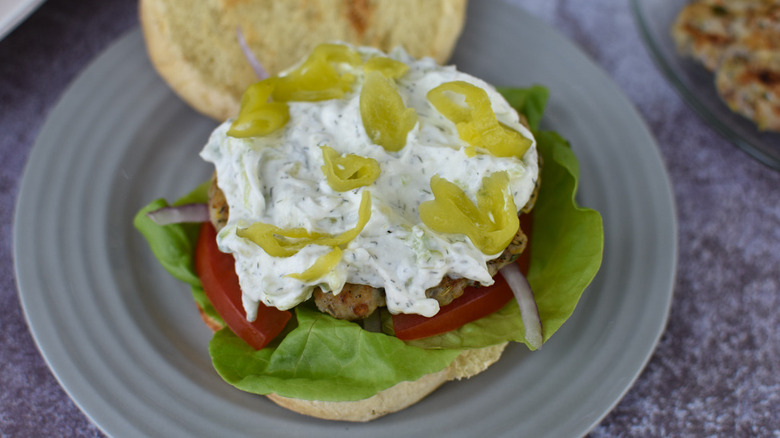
(529, 102)
(174, 245)
(319, 357)
(323, 358)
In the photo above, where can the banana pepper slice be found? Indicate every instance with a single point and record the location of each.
(348, 172)
(475, 121)
(278, 242)
(321, 266)
(386, 119)
(318, 77)
(257, 115)
(387, 66)
(490, 224)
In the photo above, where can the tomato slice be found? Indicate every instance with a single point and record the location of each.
(217, 274)
(475, 303)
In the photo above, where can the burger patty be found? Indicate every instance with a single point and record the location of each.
(358, 301)
(355, 301)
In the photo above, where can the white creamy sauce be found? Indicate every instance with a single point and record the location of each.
(277, 179)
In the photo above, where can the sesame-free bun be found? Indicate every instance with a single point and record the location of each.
(194, 47)
(468, 364)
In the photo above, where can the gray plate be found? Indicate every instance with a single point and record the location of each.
(124, 338)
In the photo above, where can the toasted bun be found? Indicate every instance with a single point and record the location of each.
(194, 45)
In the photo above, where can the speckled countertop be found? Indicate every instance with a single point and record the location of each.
(716, 370)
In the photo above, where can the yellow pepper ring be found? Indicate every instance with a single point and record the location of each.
(348, 172)
(257, 115)
(317, 78)
(387, 66)
(278, 242)
(324, 264)
(490, 224)
(386, 119)
(476, 121)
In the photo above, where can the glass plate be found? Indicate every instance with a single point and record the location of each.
(696, 84)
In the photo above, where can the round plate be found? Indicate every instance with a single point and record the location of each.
(13, 12)
(126, 342)
(696, 84)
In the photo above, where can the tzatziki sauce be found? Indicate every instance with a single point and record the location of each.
(277, 179)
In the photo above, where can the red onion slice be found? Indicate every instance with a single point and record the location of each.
(179, 214)
(253, 61)
(525, 299)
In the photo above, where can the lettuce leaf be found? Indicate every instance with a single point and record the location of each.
(566, 249)
(322, 358)
(529, 102)
(174, 245)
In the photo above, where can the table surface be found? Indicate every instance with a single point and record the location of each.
(716, 370)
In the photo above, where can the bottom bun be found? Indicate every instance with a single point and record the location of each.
(469, 363)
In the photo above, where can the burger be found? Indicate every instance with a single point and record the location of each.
(365, 235)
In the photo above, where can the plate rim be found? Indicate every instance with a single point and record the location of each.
(18, 249)
(16, 14)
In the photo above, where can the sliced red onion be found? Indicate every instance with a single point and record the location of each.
(180, 213)
(253, 61)
(529, 312)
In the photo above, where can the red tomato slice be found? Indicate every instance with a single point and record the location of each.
(217, 274)
(475, 303)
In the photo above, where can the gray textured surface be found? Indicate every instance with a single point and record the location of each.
(715, 372)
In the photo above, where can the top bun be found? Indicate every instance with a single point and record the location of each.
(194, 46)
